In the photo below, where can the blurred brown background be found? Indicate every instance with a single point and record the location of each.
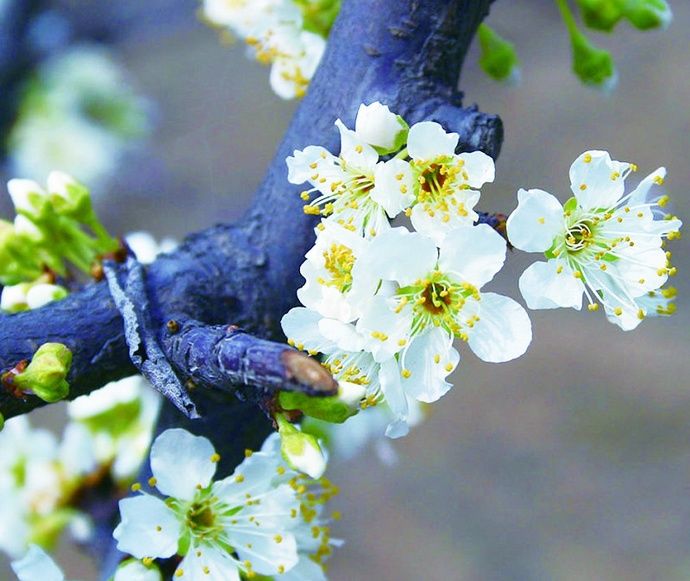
(572, 463)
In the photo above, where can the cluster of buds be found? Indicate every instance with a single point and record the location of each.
(54, 229)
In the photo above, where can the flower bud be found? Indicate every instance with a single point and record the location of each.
(69, 197)
(46, 375)
(380, 127)
(592, 65)
(335, 409)
(300, 450)
(498, 57)
(42, 293)
(28, 198)
(648, 14)
(135, 570)
(601, 14)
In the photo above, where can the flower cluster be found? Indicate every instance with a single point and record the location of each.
(288, 35)
(80, 115)
(382, 304)
(603, 243)
(53, 228)
(263, 519)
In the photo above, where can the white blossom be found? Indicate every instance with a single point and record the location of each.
(241, 524)
(604, 243)
(37, 565)
(446, 183)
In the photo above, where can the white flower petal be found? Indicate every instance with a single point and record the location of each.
(305, 570)
(475, 253)
(302, 326)
(391, 386)
(479, 167)
(207, 563)
(503, 332)
(544, 287)
(534, 224)
(430, 358)
(344, 335)
(599, 182)
(37, 565)
(459, 214)
(270, 548)
(398, 255)
(181, 462)
(302, 164)
(384, 331)
(393, 186)
(428, 140)
(354, 150)
(148, 528)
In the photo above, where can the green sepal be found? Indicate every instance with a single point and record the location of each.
(330, 409)
(498, 57)
(46, 375)
(601, 14)
(570, 205)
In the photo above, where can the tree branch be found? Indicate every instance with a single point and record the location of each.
(407, 54)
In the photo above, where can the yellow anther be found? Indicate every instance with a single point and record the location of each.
(615, 175)
(577, 274)
(449, 367)
(559, 269)
(159, 528)
(179, 573)
(239, 478)
(135, 487)
(359, 148)
(406, 373)
(215, 458)
(281, 569)
(659, 180)
(153, 481)
(541, 220)
(583, 187)
(593, 307)
(437, 358)
(587, 157)
(663, 200)
(640, 314)
(618, 311)
(147, 561)
(402, 342)
(278, 539)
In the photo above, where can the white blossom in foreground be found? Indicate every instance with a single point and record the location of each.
(603, 243)
(245, 524)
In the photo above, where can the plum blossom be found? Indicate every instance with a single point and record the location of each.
(603, 243)
(247, 523)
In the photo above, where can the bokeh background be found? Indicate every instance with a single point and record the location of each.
(572, 463)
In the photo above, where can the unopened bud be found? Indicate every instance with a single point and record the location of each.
(381, 128)
(601, 14)
(135, 570)
(69, 197)
(300, 450)
(46, 375)
(648, 14)
(498, 57)
(28, 198)
(592, 65)
(334, 409)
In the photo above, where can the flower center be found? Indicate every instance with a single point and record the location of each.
(201, 519)
(338, 262)
(579, 236)
(439, 301)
